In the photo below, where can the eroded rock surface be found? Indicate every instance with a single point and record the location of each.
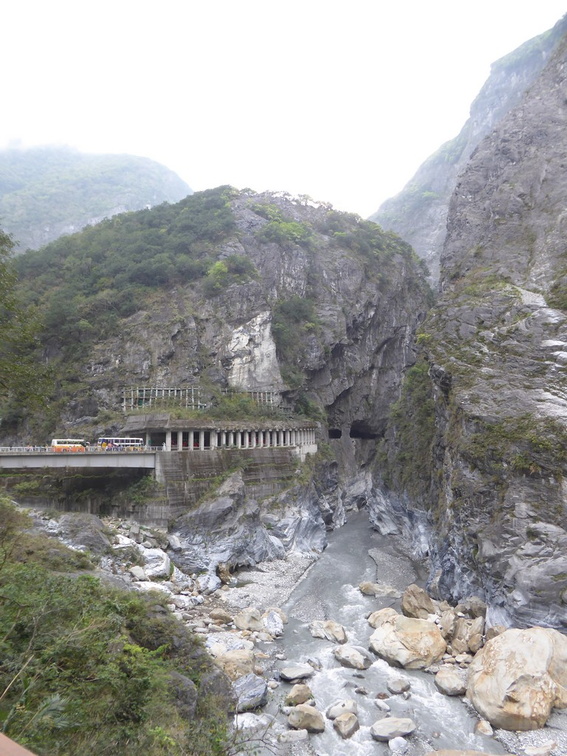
(404, 641)
(487, 455)
(518, 677)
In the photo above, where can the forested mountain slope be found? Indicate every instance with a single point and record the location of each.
(46, 192)
(227, 289)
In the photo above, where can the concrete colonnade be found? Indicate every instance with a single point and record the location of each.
(201, 439)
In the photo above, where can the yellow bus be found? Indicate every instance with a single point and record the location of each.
(69, 445)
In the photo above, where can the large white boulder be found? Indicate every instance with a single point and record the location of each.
(249, 619)
(328, 630)
(348, 705)
(350, 656)
(346, 724)
(237, 663)
(296, 672)
(417, 603)
(451, 680)
(404, 641)
(273, 622)
(518, 677)
(392, 727)
(157, 565)
(304, 717)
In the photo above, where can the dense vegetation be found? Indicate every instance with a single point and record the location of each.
(23, 379)
(84, 283)
(46, 191)
(407, 467)
(85, 668)
(293, 321)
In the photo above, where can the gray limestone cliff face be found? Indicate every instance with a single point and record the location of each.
(327, 318)
(419, 212)
(346, 353)
(496, 350)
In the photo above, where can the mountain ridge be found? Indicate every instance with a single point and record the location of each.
(419, 212)
(47, 192)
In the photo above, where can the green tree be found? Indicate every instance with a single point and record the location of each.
(22, 377)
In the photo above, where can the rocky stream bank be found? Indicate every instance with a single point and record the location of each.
(345, 653)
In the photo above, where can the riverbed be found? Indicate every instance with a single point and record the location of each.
(328, 589)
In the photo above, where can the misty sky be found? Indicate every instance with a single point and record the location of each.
(338, 100)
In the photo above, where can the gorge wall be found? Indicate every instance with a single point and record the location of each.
(419, 212)
(492, 458)
(446, 421)
(277, 294)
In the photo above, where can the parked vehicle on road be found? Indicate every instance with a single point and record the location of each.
(111, 443)
(69, 445)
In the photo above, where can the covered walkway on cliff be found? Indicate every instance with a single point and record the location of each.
(159, 429)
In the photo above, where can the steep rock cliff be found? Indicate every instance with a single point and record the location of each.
(292, 297)
(325, 313)
(419, 212)
(493, 375)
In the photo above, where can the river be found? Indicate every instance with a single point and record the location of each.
(329, 590)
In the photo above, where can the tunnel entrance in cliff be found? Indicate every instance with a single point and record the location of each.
(361, 429)
(335, 433)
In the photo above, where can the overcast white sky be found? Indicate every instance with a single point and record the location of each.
(338, 100)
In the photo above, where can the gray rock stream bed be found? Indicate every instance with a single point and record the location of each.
(329, 590)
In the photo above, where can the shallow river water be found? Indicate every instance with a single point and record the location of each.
(329, 590)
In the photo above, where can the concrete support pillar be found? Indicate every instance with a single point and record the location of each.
(253, 440)
(201, 440)
(191, 440)
(231, 438)
(223, 439)
(213, 439)
(168, 440)
(179, 440)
